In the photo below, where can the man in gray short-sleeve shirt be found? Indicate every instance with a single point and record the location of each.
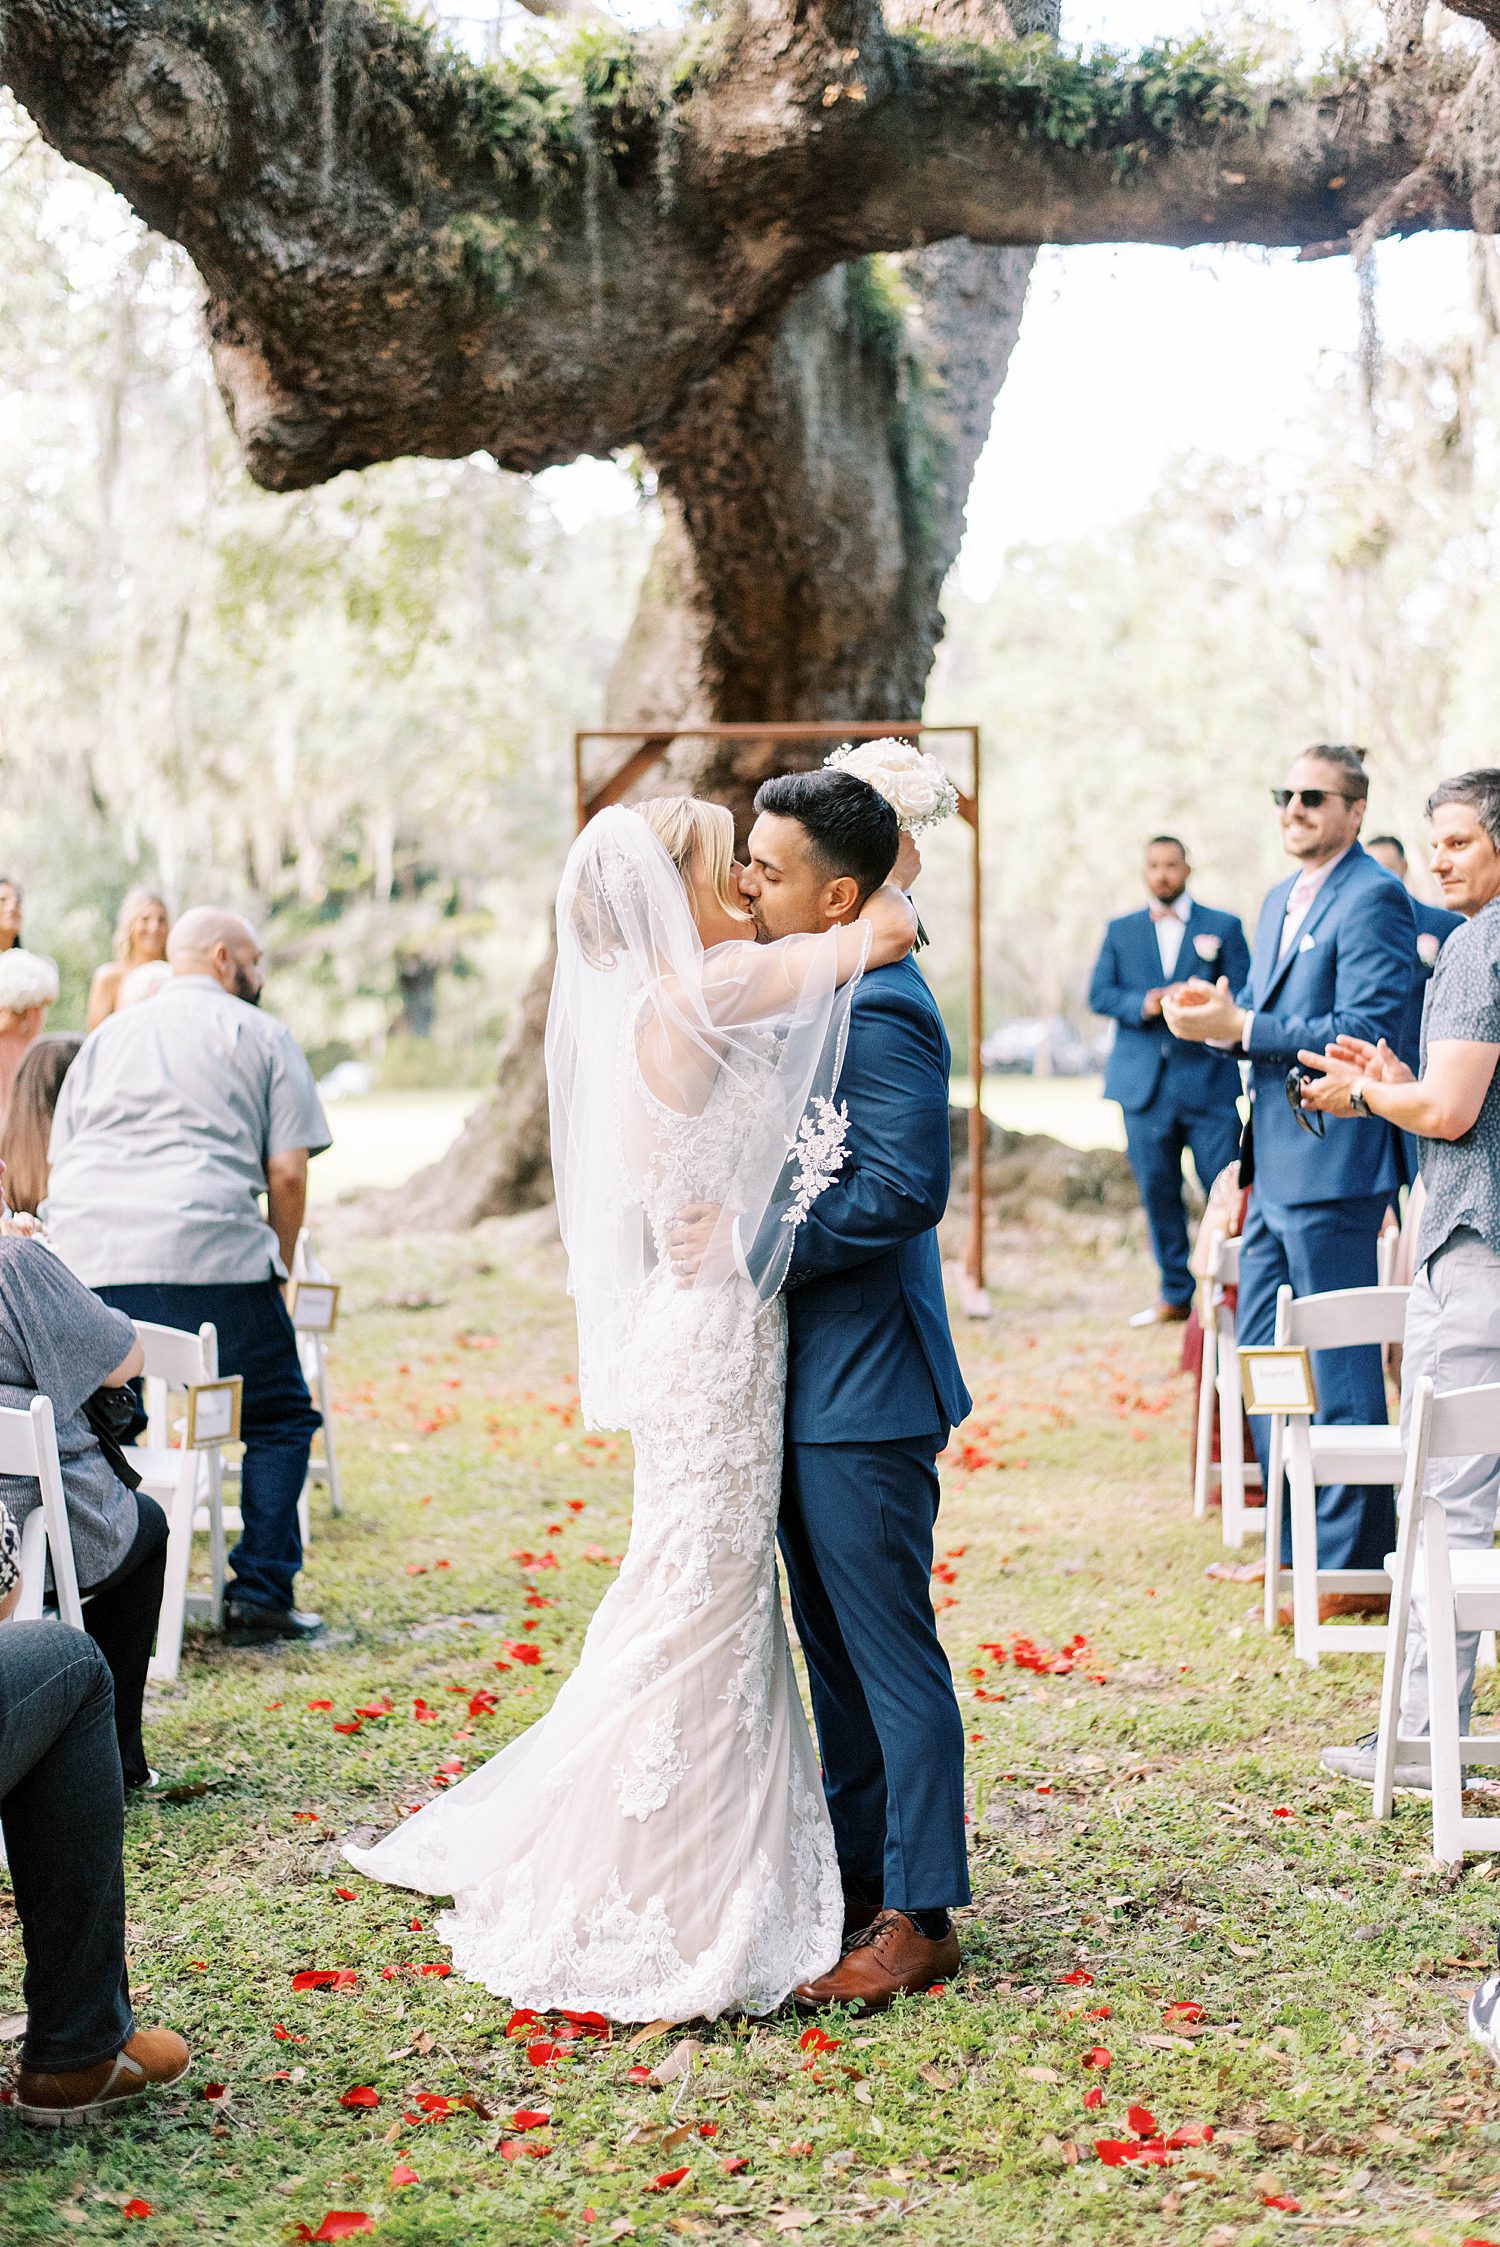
(176, 1117)
(1453, 1319)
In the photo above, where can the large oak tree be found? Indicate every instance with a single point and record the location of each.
(783, 252)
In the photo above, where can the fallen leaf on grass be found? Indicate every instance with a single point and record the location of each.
(649, 2033)
(795, 2219)
(678, 2062)
(940, 2082)
(1030, 2075)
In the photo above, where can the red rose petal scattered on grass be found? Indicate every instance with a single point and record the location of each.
(1098, 2013)
(339, 2223)
(284, 2035)
(1188, 2010)
(359, 2095)
(530, 2118)
(708, 2129)
(436, 1971)
(137, 2210)
(638, 2075)
(735, 2163)
(1111, 2151)
(214, 2091)
(1093, 2099)
(814, 2040)
(402, 2175)
(1192, 2134)
(588, 2024)
(1142, 2121)
(669, 2180)
(523, 2018)
(320, 1704)
(520, 1651)
(1281, 1811)
(515, 2149)
(309, 1817)
(1096, 2057)
(326, 1978)
(346, 1893)
(1079, 1979)
(1282, 2200)
(541, 2055)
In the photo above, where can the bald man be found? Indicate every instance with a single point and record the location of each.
(177, 1116)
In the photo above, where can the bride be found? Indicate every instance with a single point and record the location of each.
(657, 1846)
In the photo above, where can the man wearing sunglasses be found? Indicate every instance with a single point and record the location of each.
(1333, 949)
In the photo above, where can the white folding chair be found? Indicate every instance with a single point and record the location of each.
(312, 1349)
(1220, 1397)
(1459, 1591)
(187, 1485)
(28, 1446)
(1346, 1318)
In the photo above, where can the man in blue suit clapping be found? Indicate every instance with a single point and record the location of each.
(1174, 1095)
(1332, 958)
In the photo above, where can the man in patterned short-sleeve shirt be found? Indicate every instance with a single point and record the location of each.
(1453, 1320)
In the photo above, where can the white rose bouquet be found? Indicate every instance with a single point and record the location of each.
(913, 783)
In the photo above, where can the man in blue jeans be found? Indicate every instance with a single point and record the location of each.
(62, 1810)
(176, 1117)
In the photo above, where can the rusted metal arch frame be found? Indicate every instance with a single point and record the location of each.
(651, 744)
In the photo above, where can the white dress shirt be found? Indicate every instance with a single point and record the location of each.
(1170, 923)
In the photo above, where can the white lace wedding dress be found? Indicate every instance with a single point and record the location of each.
(657, 1846)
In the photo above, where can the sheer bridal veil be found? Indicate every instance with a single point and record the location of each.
(678, 1075)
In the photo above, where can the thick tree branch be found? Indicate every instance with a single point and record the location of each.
(405, 253)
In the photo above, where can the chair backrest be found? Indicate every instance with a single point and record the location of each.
(1344, 1319)
(1224, 1266)
(306, 1262)
(28, 1446)
(174, 1360)
(1465, 1423)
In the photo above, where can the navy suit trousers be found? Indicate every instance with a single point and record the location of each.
(1155, 1139)
(1318, 1246)
(856, 1537)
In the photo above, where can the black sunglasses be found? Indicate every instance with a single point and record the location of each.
(1311, 1119)
(1311, 797)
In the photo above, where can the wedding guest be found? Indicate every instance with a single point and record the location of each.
(28, 987)
(62, 1810)
(28, 1120)
(1176, 1098)
(1434, 926)
(173, 1121)
(1452, 1104)
(57, 1340)
(12, 900)
(140, 940)
(1332, 958)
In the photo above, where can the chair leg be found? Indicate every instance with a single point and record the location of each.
(330, 1449)
(1231, 1445)
(1208, 1386)
(1442, 1671)
(1274, 1503)
(1304, 1561)
(167, 1658)
(1387, 1740)
(218, 1547)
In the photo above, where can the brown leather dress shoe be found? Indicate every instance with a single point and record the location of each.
(892, 1955)
(1236, 1571)
(1335, 1607)
(858, 1915)
(152, 2058)
(1164, 1314)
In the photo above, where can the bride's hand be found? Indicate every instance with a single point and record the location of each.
(892, 921)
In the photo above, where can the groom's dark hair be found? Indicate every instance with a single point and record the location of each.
(851, 829)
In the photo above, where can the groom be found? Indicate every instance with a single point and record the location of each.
(873, 1389)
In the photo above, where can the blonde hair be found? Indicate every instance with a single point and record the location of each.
(132, 905)
(697, 834)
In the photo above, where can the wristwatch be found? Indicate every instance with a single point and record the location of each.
(1358, 1105)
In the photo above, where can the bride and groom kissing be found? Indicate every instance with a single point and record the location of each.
(749, 1093)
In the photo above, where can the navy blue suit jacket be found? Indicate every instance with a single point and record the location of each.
(1348, 972)
(870, 1357)
(1146, 1061)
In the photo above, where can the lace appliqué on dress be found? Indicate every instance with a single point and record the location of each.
(818, 1151)
(656, 1765)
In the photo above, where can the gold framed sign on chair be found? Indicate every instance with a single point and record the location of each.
(314, 1305)
(213, 1412)
(1278, 1380)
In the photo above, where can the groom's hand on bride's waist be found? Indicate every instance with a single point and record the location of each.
(698, 1240)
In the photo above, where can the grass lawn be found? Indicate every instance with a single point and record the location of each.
(1150, 1837)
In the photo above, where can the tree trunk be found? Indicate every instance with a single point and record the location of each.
(813, 502)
